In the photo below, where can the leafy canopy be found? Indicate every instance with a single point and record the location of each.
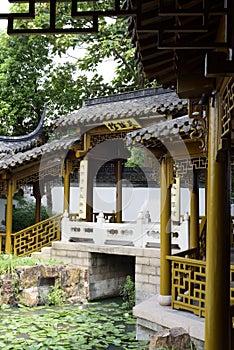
(39, 69)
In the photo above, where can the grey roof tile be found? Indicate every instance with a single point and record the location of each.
(145, 103)
(14, 144)
(155, 101)
(165, 128)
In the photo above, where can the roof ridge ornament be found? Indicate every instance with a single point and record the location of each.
(34, 134)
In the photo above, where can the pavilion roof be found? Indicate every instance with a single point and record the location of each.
(183, 124)
(14, 144)
(140, 104)
(36, 153)
(166, 136)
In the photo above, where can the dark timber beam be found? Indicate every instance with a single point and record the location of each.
(217, 64)
(190, 86)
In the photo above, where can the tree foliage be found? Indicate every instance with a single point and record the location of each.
(24, 214)
(33, 70)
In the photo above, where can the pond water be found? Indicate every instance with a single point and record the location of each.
(93, 326)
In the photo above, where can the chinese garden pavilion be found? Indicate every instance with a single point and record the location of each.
(188, 45)
(77, 138)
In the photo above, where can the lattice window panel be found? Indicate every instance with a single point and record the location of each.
(37, 236)
(3, 187)
(184, 167)
(228, 109)
(189, 286)
(39, 175)
(96, 139)
(81, 16)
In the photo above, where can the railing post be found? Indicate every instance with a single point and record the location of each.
(65, 227)
(139, 229)
(165, 231)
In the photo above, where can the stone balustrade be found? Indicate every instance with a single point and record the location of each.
(141, 233)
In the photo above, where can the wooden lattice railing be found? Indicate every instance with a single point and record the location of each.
(189, 282)
(35, 237)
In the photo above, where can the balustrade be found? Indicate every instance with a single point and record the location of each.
(189, 282)
(35, 237)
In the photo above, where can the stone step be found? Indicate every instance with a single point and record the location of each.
(45, 253)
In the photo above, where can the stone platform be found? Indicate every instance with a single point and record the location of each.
(152, 318)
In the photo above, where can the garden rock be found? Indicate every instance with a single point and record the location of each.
(176, 338)
(28, 276)
(29, 297)
(8, 287)
(31, 285)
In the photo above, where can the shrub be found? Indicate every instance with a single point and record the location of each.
(128, 293)
(24, 214)
(56, 294)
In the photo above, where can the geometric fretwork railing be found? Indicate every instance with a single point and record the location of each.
(188, 284)
(35, 237)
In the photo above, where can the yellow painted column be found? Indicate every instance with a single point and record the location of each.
(217, 320)
(38, 209)
(165, 231)
(89, 199)
(194, 212)
(66, 189)
(119, 169)
(37, 195)
(8, 246)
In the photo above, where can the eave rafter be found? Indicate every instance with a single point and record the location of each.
(177, 22)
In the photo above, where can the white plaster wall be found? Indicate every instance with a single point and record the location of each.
(134, 200)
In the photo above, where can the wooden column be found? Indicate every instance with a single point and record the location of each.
(49, 196)
(37, 195)
(165, 231)
(217, 320)
(66, 188)
(89, 198)
(119, 169)
(194, 212)
(8, 247)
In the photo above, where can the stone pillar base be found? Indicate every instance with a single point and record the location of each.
(164, 300)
